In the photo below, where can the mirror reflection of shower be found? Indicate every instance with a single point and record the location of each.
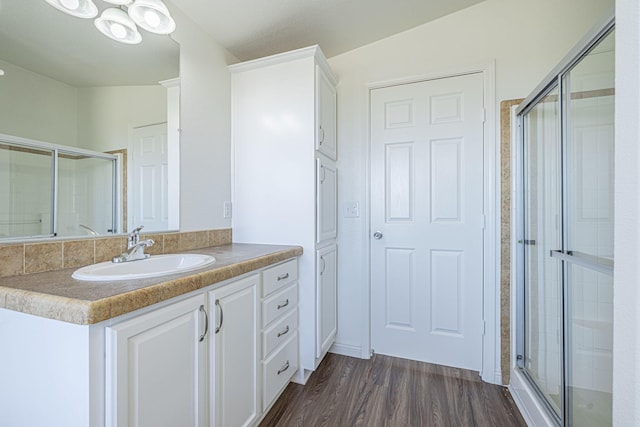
(50, 190)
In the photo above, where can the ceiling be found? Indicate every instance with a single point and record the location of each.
(251, 29)
(39, 38)
(36, 36)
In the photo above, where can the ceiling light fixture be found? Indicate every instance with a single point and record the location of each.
(153, 16)
(116, 24)
(78, 8)
(119, 23)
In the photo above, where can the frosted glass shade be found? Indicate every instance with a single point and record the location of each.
(116, 24)
(153, 16)
(120, 2)
(78, 8)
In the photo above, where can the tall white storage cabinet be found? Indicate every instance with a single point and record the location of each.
(285, 177)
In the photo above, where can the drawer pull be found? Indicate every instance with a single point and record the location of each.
(283, 276)
(286, 330)
(284, 304)
(284, 368)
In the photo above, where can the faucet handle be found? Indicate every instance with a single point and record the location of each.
(134, 237)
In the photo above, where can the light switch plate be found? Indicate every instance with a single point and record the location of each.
(351, 209)
(226, 209)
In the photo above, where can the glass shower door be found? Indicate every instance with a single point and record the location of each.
(542, 274)
(589, 235)
(565, 347)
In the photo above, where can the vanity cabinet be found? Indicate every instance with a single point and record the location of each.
(235, 355)
(279, 329)
(216, 355)
(156, 367)
(284, 172)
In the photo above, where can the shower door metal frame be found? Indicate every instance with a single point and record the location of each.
(558, 78)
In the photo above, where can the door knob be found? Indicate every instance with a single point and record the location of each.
(377, 235)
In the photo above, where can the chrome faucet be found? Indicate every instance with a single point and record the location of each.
(134, 237)
(135, 247)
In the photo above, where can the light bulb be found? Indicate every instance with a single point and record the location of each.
(118, 30)
(70, 4)
(152, 18)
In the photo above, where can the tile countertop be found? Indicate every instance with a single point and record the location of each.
(56, 295)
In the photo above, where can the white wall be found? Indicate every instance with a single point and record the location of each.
(526, 39)
(626, 300)
(205, 147)
(106, 115)
(37, 107)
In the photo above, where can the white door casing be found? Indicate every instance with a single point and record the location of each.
(148, 204)
(427, 201)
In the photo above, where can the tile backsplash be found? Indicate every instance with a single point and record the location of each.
(35, 257)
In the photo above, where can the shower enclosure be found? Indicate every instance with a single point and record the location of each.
(565, 236)
(49, 190)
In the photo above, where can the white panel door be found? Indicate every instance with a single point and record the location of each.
(149, 187)
(326, 205)
(156, 368)
(327, 310)
(427, 221)
(326, 115)
(234, 375)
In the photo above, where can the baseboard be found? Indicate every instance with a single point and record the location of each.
(346, 350)
(302, 376)
(497, 377)
(527, 402)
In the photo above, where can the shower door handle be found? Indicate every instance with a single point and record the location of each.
(602, 265)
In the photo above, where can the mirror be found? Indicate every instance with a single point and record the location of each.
(62, 82)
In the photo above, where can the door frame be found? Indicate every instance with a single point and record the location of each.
(491, 371)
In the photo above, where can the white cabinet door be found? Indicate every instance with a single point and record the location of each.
(234, 368)
(327, 321)
(326, 105)
(326, 209)
(156, 367)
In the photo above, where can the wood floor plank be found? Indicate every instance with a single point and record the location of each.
(387, 391)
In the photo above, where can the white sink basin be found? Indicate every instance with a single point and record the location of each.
(154, 266)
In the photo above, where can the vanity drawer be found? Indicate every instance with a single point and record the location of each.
(279, 276)
(278, 370)
(279, 304)
(279, 332)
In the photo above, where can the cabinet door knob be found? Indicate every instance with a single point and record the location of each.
(206, 323)
(221, 315)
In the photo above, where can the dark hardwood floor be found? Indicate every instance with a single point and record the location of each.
(387, 391)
